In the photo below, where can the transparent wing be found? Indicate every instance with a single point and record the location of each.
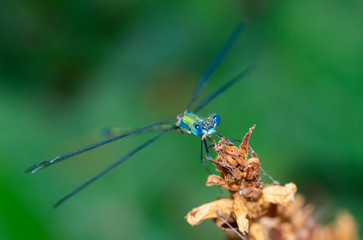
(212, 96)
(215, 63)
(127, 156)
(59, 158)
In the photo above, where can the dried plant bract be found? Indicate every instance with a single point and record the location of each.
(262, 212)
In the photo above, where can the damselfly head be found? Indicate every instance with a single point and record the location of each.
(207, 126)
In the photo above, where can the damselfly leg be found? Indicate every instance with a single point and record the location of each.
(202, 158)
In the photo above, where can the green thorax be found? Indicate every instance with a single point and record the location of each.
(194, 124)
(188, 119)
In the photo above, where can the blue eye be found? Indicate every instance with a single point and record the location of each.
(216, 119)
(197, 129)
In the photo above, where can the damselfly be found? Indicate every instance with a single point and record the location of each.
(189, 122)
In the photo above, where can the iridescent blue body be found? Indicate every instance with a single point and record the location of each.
(194, 124)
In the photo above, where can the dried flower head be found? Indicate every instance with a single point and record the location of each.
(257, 211)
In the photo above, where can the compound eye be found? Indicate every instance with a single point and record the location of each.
(216, 119)
(197, 129)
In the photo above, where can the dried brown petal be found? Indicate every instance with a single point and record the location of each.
(251, 190)
(245, 144)
(282, 195)
(229, 178)
(228, 154)
(215, 180)
(285, 231)
(269, 223)
(210, 210)
(258, 232)
(322, 233)
(252, 170)
(290, 210)
(256, 210)
(219, 181)
(237, 174)
(345, 227)
(240, 211)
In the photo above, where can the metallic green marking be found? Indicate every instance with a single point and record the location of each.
(188, 119)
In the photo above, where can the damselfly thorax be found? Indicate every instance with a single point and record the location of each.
(192, 123)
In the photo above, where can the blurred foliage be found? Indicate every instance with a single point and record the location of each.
(70, 68)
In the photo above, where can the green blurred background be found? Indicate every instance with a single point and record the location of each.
(68, 69)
